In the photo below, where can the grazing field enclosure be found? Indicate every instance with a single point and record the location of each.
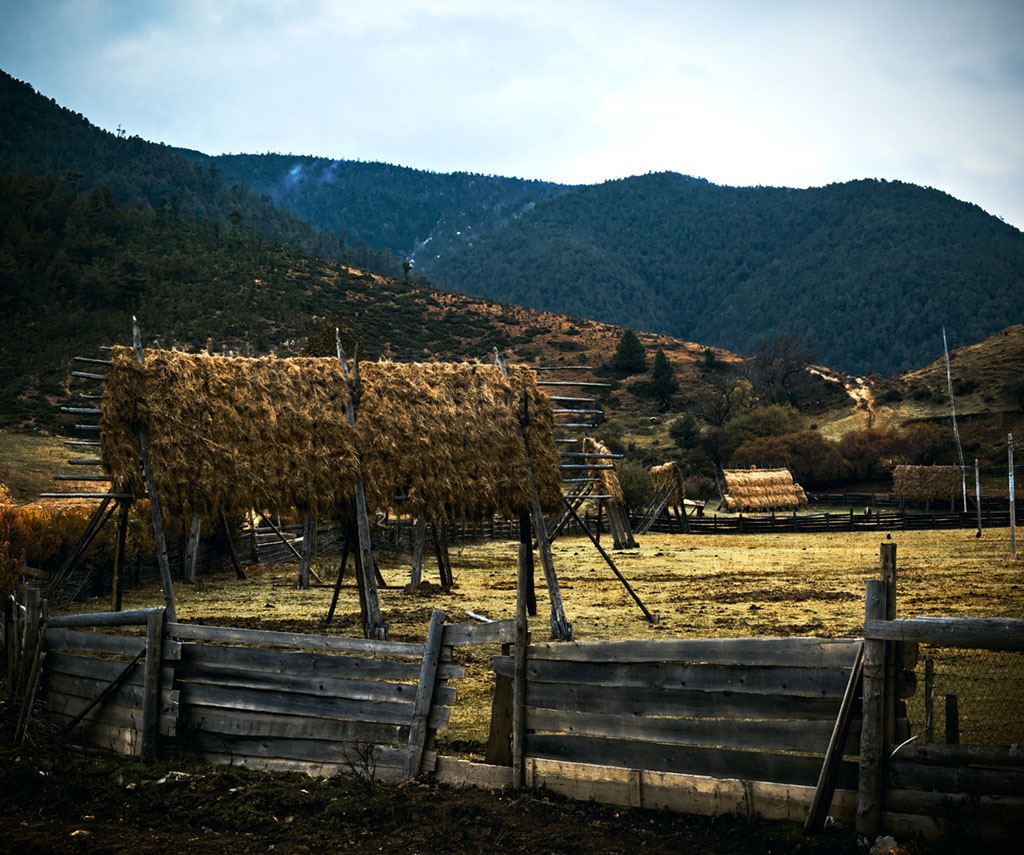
(740, 586)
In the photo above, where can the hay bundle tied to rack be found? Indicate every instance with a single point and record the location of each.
(230, 434)
(668, 476)
(762, 490)
(921, 483)
(607, 481)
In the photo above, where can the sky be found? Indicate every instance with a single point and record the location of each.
(740, 92)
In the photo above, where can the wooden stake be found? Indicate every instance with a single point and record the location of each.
(977, 493)
(418, 538)
(1013, 501)
(122, 533)
(519, 666)
(424, 694)
(151, 684)
(341, 575)
(192, 550)
(239, 572)
(308, 534)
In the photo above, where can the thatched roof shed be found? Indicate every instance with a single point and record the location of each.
(762, 490)
(921, 483)
(607, 481)
(668, 476)
(229, 434)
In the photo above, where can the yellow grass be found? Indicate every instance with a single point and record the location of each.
(724, 586)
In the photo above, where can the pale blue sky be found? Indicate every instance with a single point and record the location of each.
(776, 93)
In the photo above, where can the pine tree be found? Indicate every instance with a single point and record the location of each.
(663, 380)
(630, 356)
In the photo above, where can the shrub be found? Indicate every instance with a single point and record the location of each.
(636, 484)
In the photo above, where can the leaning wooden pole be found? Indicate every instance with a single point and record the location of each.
(374, 625)
(154, 499)
(869, 789)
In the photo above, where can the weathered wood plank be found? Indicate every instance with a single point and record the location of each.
(982, 633)
(686, 793)
(136, 617)
(104, 670)
(653, 700)
(121, 740)
(269, 638)
(126, 694)
(266, 660)
(697, 760)
(315, 769)
(791, 652)
(804, 736)
(1007, 811)
(769, 679)
(306, 750)
(355, 690)
(1004, 781)
(495, 632)
(424, 694)
(992, 756)
(269, 725)
(95, 642)
(464, 773)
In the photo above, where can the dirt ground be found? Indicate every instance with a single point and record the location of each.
(56, 800)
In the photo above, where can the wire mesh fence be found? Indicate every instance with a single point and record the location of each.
(968, 696)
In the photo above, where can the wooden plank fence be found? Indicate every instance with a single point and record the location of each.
(650, 723)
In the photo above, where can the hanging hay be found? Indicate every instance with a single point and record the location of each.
(232, 434)
(921, 483)
(607, 481)
(668, 475)
(762, 490)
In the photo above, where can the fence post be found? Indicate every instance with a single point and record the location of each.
(869, 787)
(519, 651)
(1013, 501)
(151, 683)
(887, 555)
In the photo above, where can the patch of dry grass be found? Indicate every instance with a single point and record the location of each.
(723, 586)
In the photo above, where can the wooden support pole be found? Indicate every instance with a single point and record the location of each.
(239, 572)
(560, 627)
(887, 560)
(519, 659)
(419, 536)
(192, 549)
(373, 621)
(1013, 500)
(151, 684)
(424, 694)
(91, 530)
(977, 493)
(308, 536)
(647, 614)
(154, 498)
(345, 549)
(834, 753)
(869, 788)
(929, 700)
(116, 585)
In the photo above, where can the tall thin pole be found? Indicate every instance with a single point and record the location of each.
(1013, 501)
(977, 493)
(956, 432)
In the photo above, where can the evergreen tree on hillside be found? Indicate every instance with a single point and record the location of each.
(663, 380)
(630, 356)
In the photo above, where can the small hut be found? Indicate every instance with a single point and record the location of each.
(762, 490)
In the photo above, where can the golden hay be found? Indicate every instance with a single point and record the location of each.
(762, 490)
(920, 483)
(608, 481)
(230, 434)
(668, 475)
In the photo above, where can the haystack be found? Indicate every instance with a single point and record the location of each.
(921, 483)
(607, 481)
(668, 476)
(762, 490)
(230, 434)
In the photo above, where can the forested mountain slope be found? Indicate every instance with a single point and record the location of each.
(867, 272)
(413, 214)
(40, 137)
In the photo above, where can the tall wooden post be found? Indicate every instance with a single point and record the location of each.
(151, 684)
(308, 539)
(977, 493)
(869, 788)
(373, 621)
(192, 550)
(888, 568)
(1013, 501)
(419, 537)
(522, 639)
(154, 499)
(122, 533)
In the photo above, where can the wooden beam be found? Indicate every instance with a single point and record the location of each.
(192, 550)
(424, 694)
(151, 684)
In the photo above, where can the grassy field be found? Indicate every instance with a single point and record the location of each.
(725, 586)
